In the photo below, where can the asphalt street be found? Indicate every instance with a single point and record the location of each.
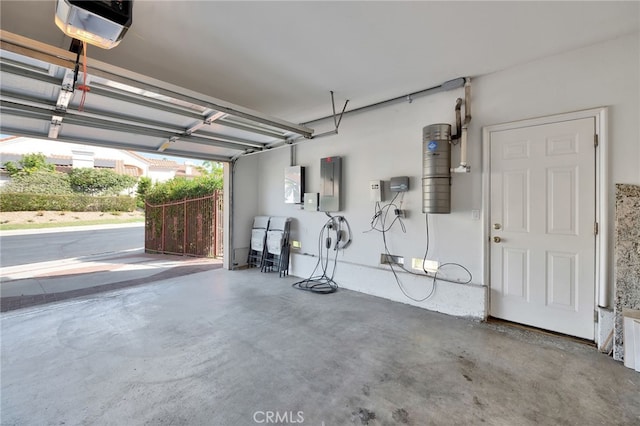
(48, 246)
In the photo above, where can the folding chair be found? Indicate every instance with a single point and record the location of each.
(276, 255)
(258, 240)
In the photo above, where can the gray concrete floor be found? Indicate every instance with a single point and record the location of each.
(45, 282)
(226, 348)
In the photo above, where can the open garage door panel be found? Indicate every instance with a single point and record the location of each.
(40, 97)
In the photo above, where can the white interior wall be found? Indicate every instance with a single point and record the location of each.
(386, 142)
(245, 205)
(605, 74)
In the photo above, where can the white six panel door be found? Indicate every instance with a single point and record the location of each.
(542, 191)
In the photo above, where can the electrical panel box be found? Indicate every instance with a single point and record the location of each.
(293, 184)
(311, 201)
(375, 191)
(331, 182)
(399, 184)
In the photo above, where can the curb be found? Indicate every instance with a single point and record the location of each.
(68, 229)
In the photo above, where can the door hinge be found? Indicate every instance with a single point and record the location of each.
(595, 140)
(596, 228)
(595, 316)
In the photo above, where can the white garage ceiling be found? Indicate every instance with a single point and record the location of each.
(283, 58)
(122, 109)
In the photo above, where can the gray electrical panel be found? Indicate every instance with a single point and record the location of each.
(330, 184)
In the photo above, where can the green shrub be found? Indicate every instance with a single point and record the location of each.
(144, 185)
(29, 164)
(99, 181)
(180, 188)
(39, 182)
(13, 202)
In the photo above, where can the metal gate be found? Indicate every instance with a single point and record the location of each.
(191, 227)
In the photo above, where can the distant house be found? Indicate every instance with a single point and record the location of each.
(66, 156)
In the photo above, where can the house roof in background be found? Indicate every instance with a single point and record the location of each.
(187, 171)
(164, 164)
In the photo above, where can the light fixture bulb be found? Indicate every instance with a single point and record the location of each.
(99, 23)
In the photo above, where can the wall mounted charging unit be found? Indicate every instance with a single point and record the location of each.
(399, 184)
(330, 184)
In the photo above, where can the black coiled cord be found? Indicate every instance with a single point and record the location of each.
(324, 283)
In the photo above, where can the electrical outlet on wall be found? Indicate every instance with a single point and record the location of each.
(420, 264)
(400, 213)
(390, 259)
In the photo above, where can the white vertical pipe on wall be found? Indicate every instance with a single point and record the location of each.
(463, 167)
(604, 272)
(227, 200)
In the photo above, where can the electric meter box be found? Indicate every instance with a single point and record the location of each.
(331, 182)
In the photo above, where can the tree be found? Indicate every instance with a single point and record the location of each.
(29, 164)
(144, 185)
(99, 181)
(213, 170)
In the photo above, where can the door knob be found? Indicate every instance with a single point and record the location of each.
(497, 239)
(496, 226)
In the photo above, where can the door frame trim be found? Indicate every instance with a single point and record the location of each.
(603, 246)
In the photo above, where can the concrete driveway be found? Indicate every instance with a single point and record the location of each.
(44, 282)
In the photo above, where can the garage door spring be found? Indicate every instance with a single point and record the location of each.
(83, 87)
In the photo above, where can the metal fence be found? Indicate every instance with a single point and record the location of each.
(191, 227)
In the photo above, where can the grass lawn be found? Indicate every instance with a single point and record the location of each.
(53, 219)
(10, 227)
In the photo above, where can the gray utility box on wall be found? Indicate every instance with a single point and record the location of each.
(311, 201)
(330, 184)
(399, 184)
